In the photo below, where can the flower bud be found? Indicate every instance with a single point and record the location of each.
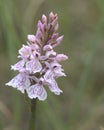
(44, 19)
(61, 57)
(31, 38)
(58, 41)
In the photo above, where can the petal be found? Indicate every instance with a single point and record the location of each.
(25, 52)
(21, 82)
(52, 84)
(58, 72)
(44, 19)
(37, 91)
(31, 38)
(51, 52)
(58, 41)
(47, 48)
(56, 69)
(43, 57)
(48, 75)
(52, 16)
(54, 64)
(33, 66)
(18, 66)
(61, 57)
(41, 26)
(38, 34)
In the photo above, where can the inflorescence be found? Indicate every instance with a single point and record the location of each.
(39, 64)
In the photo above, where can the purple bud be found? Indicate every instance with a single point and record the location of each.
(56, 27)
(38, 35)
(40, 26)
(61, 57)
(54, 36)
(58, 41)
(31, 38)
(52, 17)
(55, 21)
(44, 19)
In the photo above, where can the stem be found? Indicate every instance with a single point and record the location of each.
(33, 115)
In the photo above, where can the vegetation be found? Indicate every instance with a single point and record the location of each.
(81, 106)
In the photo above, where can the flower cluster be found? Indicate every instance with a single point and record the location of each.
(39, 63)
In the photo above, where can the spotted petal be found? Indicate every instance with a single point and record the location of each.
(21, 82)
(33, 66)
(52, 84)
(58, 72)
(37, 91)
(18, 66)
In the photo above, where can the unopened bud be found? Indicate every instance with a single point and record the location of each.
(31, 38)
(61, 57)
(58, 41)
(44, 19)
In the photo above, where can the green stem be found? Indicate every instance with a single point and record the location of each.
(33, 115)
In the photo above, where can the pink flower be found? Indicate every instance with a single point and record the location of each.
(25, 52)
(54, 69)
(39, 64)
(19, 66)
(21, 82)
(53, 72)
(33, 66)
(52, 84)
(37, 91)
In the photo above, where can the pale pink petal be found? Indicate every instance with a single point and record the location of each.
(61, 57)
(33, 66)
(58, 41)
(54, 64)
(56, 27)
(52, 84)
(37, 91)
(31, 38)
(58, 72)
(25, 52)
(34, 47)
(21, 82)
(41, 26)
(43, 58)
(44, 19)
(18, 66)
(54, 36)
(56, 69)
(35, 55)
(52, 16)
(48, 75)
(51, 52)
(38, 34)
(47, 48)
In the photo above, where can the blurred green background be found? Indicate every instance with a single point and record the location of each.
(81, 106)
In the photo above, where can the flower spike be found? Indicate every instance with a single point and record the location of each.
(39, 64)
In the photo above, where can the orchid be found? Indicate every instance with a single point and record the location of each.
(39, 65)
